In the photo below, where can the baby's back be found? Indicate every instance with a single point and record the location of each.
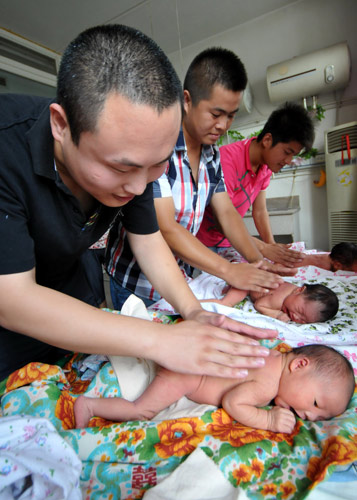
(212, 389)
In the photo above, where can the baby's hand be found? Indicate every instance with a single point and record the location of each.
(283, 317)
(281, 420)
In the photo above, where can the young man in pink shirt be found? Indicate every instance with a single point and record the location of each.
(248, 165)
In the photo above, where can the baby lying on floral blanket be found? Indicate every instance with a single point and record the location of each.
(312, 382)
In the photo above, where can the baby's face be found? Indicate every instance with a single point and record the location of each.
(311, 397)
(301, 310)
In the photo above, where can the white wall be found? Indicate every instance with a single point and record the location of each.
(313, 206)
(300, 28)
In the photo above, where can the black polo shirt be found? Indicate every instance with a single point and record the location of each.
(41, 222)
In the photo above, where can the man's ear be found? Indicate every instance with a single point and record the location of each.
(267, 140)
(299, 363)
(59, 122)
(187, 101)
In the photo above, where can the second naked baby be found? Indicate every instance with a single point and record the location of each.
(289, 302)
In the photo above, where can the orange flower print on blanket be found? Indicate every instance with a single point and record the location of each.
(179, 437)
(225, 428)
(34, 371)
(336, 450)
(242, 474)
(64, 410)
(287, 489)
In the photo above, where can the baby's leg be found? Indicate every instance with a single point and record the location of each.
(165, 389)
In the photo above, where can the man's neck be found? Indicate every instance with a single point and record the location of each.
(255, 155)
(193, 151)
(86, 201)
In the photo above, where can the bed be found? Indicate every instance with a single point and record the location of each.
(198, 451)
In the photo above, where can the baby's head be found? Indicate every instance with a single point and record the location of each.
(317, 382)
(311, 304)
(343, 256)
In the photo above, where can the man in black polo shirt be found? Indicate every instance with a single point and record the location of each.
(68, 170)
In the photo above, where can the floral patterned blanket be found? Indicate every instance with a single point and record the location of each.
(123, 460)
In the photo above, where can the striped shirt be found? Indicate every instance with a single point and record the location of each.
(190, 201)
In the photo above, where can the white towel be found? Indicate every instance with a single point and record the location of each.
(197, 478)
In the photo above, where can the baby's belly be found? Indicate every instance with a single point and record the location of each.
(211, 390)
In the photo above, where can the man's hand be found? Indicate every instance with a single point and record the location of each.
(279, 269)
(252, 277)
(222, 321)
(281, 420)
(205, 347)
(281, 254)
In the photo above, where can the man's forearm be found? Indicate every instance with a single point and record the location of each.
(161, 269)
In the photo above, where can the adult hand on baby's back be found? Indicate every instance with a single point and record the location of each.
(281, 420)
(279, 268)
(252, 277)
(282, 254)
(205, 347)
(222, 321)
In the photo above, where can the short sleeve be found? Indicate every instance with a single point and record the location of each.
(139, 216)
(162, 187)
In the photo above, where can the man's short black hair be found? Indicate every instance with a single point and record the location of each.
(113, 59)
(211, 67)
(290, 122)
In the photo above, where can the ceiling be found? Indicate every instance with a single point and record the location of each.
(173, 24)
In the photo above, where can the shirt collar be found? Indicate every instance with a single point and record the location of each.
(41, 145)
(207, 149)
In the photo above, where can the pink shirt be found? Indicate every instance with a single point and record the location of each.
(243, 186)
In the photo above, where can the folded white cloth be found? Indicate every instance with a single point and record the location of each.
(36, 462)
(197, 478)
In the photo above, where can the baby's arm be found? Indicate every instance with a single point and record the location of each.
(232, 297)
(241, 403)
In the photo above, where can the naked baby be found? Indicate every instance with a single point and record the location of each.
(289, 302)
(312, 382)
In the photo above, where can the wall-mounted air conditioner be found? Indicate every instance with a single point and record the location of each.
(341, 182)
(26, 59)
(311, 74)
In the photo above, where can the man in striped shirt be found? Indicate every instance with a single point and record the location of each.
(213, 89)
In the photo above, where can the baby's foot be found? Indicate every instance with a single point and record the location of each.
(82, 413)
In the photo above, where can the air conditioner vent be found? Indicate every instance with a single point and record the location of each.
(343, 227)
(27, 56)
(335, 142)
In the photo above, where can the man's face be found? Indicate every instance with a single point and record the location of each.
(211, 118)
(276, 157)
(129, 148)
